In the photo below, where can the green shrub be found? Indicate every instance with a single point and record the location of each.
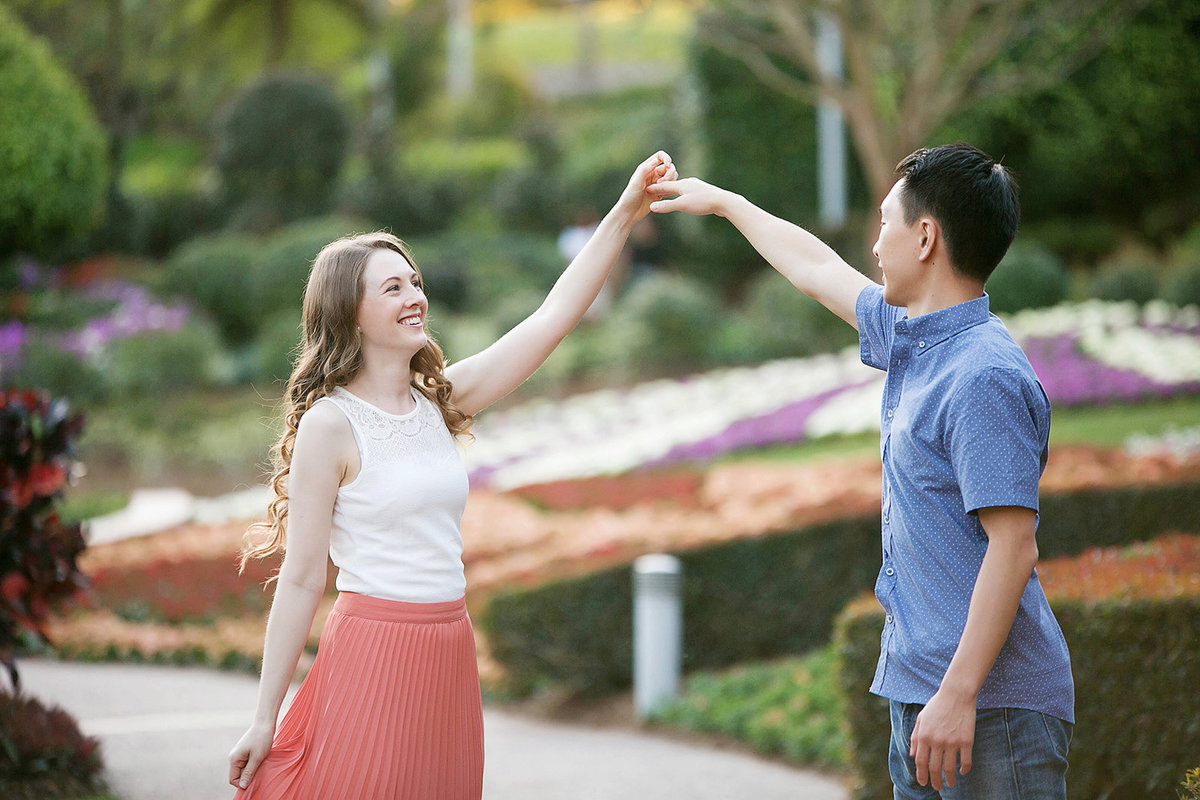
(666, 324)
(778, 321)
(46, 755)
(160, 362)
(155, 225)
(471, 271)
(53, 160)
(1078, 240)
(283, 260)
(1133, 663)
(1190, 787)
(215, 272)
(1029, 276)
(1184, 287)
(407, 204)
(789, 707)
(46, 365)
(791, 585)
(280, 145)
(1126, 278)
(277, 346)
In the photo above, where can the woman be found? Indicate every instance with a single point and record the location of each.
(367, 472)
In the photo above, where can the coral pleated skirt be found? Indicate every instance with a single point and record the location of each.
(389, 711)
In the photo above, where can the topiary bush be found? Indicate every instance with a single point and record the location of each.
(153, 363)
(1184, 287)
(279, 148)
(668, 325)
(779, 321)
(45, 756)
(283, 260)
(1133, 660)
(1130, 278)
(53, 160)
(216, 273)
(1029, 276)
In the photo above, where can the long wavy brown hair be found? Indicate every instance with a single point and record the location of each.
(330, 356)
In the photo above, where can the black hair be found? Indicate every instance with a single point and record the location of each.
(973, 199)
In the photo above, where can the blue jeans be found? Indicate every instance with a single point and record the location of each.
(1017, 755)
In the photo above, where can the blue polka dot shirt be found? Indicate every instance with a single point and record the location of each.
(965, 425)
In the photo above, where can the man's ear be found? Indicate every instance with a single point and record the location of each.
(930, 233)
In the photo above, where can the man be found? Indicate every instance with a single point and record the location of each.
(972, 659)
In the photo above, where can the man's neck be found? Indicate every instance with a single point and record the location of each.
(944, 291)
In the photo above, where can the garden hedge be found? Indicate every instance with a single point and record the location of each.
(53, 153)
(771, 595)
(1137, 724)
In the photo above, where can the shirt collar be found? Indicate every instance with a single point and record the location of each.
(938, 326)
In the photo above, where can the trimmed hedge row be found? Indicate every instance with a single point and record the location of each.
(1136, 671)
(771, 595)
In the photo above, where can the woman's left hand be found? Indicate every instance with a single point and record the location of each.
(635, 200)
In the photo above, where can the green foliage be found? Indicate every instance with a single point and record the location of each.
(46, 365)
(282, 261)
(777, 321)
(277, 346)
(156, 224)
(1029, 276)
(279, 148)
(46, 755)
(155, 363)
(578, 632)
(1126, 277)
(1103, 142)
(1190, 787)
(215, 272)
(665, 324)
(473, 271)
(1184, 288)
(1132, 663)
(53, 160)
(788, 707)
(760, 144)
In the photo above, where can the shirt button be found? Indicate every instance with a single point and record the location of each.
(889, 617)
(885, 519)
(889, 571)
(920, 344)
(889, 413)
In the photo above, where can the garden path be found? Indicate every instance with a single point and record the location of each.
(166, 732)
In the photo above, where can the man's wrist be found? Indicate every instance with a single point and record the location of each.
(959, 687)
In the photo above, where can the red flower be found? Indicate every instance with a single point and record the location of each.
(47, 479)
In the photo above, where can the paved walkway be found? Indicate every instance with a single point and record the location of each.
(166, 733)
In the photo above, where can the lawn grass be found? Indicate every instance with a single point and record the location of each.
(625, 33)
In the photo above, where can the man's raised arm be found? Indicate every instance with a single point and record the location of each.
(810, 264)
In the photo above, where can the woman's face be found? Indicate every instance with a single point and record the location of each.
(392, 311)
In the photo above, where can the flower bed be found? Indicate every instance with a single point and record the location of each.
(1088, 353)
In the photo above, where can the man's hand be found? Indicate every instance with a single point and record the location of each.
(942, 737)
(691, 196)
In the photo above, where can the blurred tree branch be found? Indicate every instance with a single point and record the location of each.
(910, 65)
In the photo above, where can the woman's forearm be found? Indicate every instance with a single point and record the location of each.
(580, 282)
(290, 621)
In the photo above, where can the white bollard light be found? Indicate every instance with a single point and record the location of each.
(657, 631)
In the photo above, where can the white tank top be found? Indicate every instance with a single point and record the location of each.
(397, 526)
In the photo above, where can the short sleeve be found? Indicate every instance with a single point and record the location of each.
(997, 433)
(876, 326)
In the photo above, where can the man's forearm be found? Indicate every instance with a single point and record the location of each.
(811, 265)
(1005, 571)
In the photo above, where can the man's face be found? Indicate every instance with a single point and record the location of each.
(897, 251)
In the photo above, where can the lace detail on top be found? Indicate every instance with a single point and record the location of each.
(386, 437)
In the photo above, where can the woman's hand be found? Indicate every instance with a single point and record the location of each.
(635, 200)
(248, 753)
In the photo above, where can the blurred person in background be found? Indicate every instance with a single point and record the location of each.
(367, 474)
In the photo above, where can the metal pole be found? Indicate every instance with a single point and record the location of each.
(657, 631)
(831, 135)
